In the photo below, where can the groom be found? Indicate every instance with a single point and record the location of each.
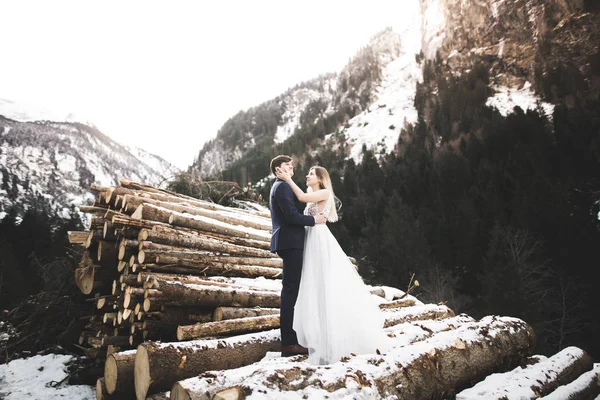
(288, 242)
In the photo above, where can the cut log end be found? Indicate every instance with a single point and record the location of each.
(179, 393)
(142, 373)
(110, 374)
(234, 393)
(100, 389)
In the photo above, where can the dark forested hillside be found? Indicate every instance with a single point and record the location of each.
(494, 214)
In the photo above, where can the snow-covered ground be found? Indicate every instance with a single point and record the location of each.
(40, 378)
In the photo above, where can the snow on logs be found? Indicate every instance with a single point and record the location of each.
(429, 367)
(538, 377)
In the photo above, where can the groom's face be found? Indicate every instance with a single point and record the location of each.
(288, 167)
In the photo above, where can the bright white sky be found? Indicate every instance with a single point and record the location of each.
(166, 75)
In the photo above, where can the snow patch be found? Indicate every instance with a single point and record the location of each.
(35, 377)
(506, 99)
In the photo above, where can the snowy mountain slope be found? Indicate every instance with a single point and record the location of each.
(57, 161)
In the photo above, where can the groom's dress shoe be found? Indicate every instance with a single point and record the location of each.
(288, 350)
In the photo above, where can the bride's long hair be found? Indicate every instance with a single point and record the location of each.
(325, 183)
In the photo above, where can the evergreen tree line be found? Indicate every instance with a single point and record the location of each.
(34, 252)
(493, 214)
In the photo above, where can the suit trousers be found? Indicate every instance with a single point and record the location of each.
(292, 272)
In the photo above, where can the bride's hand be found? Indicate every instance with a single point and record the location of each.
(284, 176)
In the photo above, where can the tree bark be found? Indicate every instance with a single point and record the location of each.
(397, 304)
(201, 242)
(219, 268)
(229, 217)
(77, 237)
(170, 233)
(158, 366)
(225, 313)
(435, 367)
(191, 258)
(211, 296)
(211, 225)
(416, 313)
(229, 327)
(118, 372)
(172, 197)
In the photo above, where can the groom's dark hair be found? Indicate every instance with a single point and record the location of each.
(277, 161)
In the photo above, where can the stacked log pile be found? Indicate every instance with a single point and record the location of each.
(156, 260)
(200, 278)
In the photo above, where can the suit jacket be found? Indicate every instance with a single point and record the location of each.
(287, 218)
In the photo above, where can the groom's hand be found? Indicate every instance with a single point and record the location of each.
(321, 218)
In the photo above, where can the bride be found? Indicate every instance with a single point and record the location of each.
(335, 314)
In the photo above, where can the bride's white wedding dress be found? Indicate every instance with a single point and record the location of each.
(335, 314)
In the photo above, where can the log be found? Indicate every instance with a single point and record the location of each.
(108, 231)
(171, 233)
(152, 213)
(415, 313)
(158, 366)
(197, 258)
(218, 268)
(199, 242)
(233, 393)
(96, 222)
(89, 278)
(124, 222)
(212, 225)
(224, 313)
(172, 197)
(77, 237)
(118, 372)
(539, 378)
(429, 369)
(228, 327)
(222, 215)
(397, 304)
(107, 254)
(209, 296)
(587, 386)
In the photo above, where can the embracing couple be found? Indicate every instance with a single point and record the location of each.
(326, 309)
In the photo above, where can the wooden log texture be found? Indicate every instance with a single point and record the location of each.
(212, 225)
(416, 313)
(200, 242)
(228, 327)
(77, 237)
(158, 366)
(397, 304)
(175, 233)
(540, 377)
(199, 258)
(224, 313)
(118, 372)
(172, 197)
(208, 296)
(429, 369)
(218, 268)
(228, 216)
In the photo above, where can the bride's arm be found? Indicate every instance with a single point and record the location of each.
(312, 197)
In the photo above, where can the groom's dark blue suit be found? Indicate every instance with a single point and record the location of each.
(288, 242)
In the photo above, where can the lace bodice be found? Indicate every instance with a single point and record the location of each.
(313, 208)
